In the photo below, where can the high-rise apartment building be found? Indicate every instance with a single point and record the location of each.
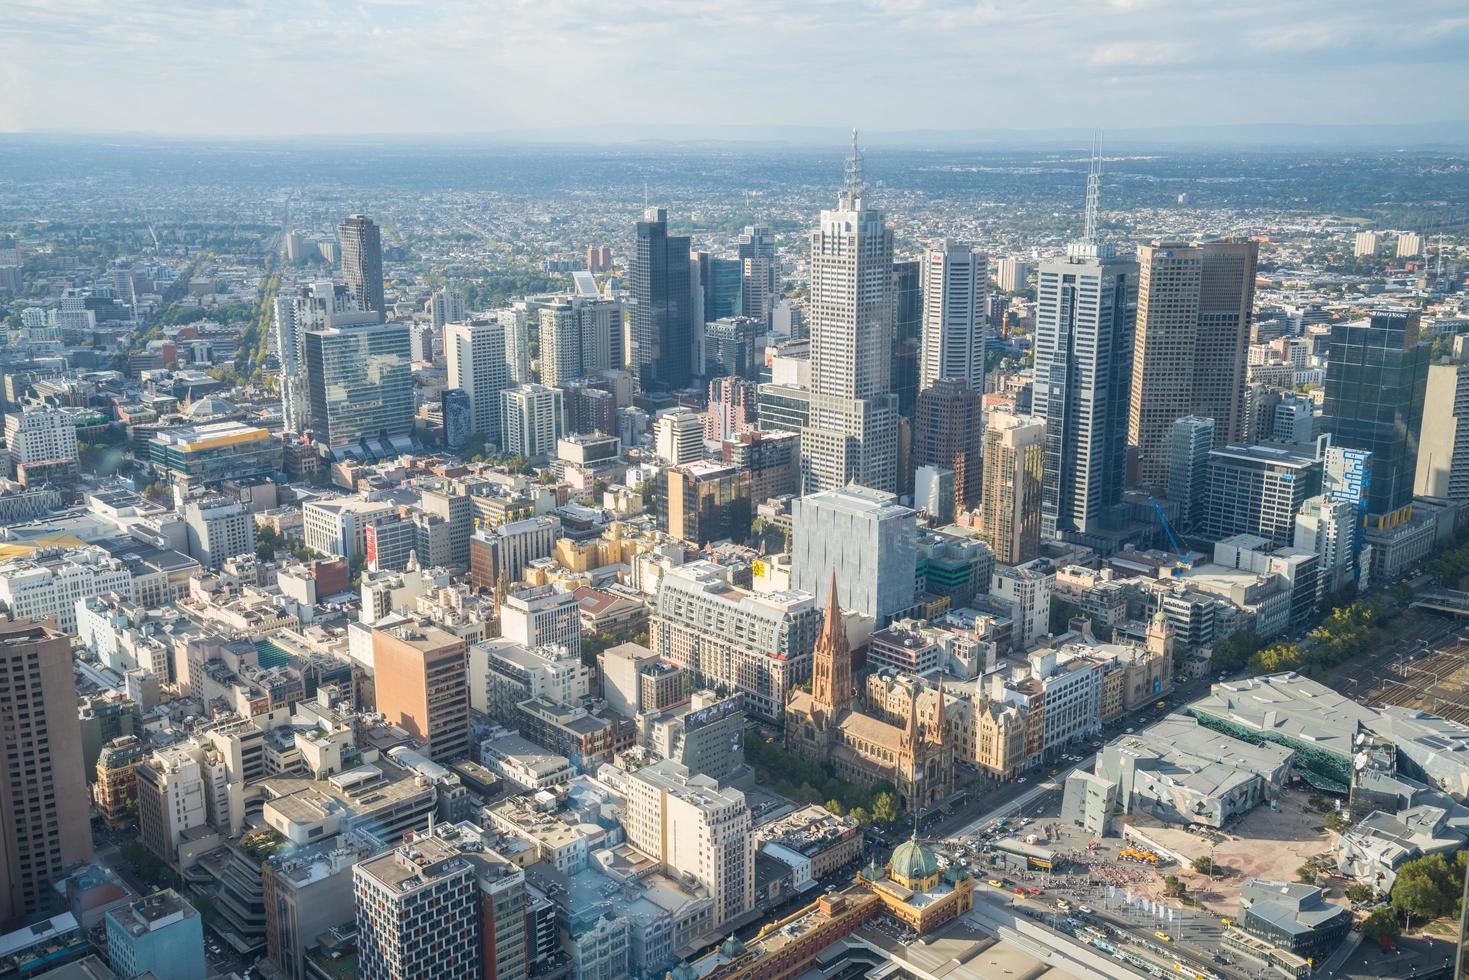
(517, 342)
(1376, 382)
(1014, 459)
(446, 306)
(863, 536)
(44, 827)
(758, 273)
(724, 636)
(417, 913)
(1328, 527)
(678, 436)
(662, 344)
(1190, 442)
(1443, 442)
(1364, 246)
(419, 671)
(362, 261)
(1193, 324)
(853, 432)
(359, 385)
(532, 418)
(576, 338)
(40, 434)
(476, 357)
(954, 306)
(542, 617)
(1012, 275)
(949, 434)
(694, 827)
(1086, 304)
(1410, 245)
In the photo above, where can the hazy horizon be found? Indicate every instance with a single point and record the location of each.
(270, 69)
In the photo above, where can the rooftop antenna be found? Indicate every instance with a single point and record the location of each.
(1093, 190)
(853, 188)
(645, 195)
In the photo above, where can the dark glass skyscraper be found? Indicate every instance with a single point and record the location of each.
(362, 261)
(359, 386)
(1376, 379)
(722, 281)
(907, 333)
(662, 314)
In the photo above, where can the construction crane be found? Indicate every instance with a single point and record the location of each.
(1185, 559)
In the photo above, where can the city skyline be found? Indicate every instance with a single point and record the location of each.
(227, 69)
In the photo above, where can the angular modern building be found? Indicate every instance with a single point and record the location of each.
(417, 913)
(362, 261)
(359, 386)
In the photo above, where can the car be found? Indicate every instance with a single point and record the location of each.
(996, 883)
(1055, 772)
(1084, 909)
(1020, 779)
(1163, 936)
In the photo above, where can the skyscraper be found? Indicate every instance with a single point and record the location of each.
(43, 788)
(954, 308)
(1193, 325)
(419, 671)
(758, 273)
(1086, 306)
(1190, 441)
(314, 306)
(1443, 441)
(949, 434)
(359, 385)
(532, 418)
(417, 913)
(853, 433)
(1014, 454)
(865, 540)
(907, 333)
(662, 317)
(1376, 382)
(477, 365)
(446, 306)
(362, 261)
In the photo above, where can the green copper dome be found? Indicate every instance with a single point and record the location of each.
(912, 860)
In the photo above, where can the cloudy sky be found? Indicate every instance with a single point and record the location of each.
(286, 67)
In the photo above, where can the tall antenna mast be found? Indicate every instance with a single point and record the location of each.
(1093, 190)
(853, 187)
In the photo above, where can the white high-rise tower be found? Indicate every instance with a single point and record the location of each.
(852, 437)
(954, 281)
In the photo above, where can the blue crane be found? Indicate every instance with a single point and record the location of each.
(1185, 559)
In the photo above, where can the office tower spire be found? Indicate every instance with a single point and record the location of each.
(1093, 191)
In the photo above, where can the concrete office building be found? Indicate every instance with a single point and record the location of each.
(678, 437)
(723, 636)
(692, 826)
(532, 419)
(853, 432)
(1086, 305)
(1443, 442)
(44, 826)
(1190, 442)
(417, 907)
(1328, 527)
(540, 617)
(1014, 464)
(218, 528)
(954, 287)
(759, 273)
(865, 541)
(1012, 275)
(1258, 490)
(161, 934)
(419, 673)
(477, 365)
(362, 261)
(1193, 325)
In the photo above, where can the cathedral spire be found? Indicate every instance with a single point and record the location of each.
(910, 730)
(936, 734)
(831, 668)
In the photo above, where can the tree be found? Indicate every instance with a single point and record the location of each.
(1234, 651)
(1173, 887)
(1359, 893)
(1306, 874)
(1382, 928)
(1204, 865)
(1416, 896)
(834, 807)
(861, 815)
(885, 808)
